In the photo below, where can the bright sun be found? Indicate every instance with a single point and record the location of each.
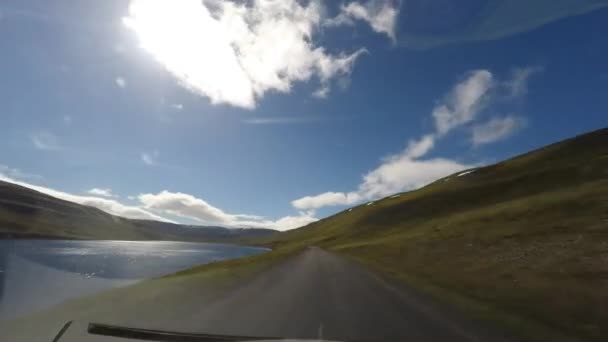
(236, 51)
(192, 45)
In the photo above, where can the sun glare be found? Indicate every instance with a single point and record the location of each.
(184, 37)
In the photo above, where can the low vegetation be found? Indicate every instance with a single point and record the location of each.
(524, 241)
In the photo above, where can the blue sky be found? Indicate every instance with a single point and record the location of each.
(274, 114)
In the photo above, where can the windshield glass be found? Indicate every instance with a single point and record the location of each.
(357, 170)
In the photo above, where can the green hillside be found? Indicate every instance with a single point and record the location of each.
(527, 237)
(26, 213)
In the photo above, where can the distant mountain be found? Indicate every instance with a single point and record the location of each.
(26, 213)
(188, 232)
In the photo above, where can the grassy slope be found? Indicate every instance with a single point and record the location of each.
(527, 237)
(28, 213)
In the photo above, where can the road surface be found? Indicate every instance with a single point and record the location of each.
(313, 295)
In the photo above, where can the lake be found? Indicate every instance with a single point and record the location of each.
(36, 274)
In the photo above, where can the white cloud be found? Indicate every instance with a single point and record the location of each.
(518, 84)
(45, 141)
(107, 205)
(479, 90)
(322, 92)
(326, 199)
(101, 192)
(234, 53)
(67, 120)
(121, 82)
(406, 171)
(10, 172)
(177, 106)
(464, 102)
(401, 173)
(381, 15)
(495, 129)
(291, 222)
(150, 158)
(165, 203)
(418, 148)
(184, 205)
(190, 207)
(398, 173)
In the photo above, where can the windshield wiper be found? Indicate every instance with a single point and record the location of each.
(62, 331)
(170, 336)
(160, 335)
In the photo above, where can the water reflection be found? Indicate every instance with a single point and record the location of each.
(35, 274)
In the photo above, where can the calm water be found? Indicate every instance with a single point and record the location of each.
(36, 274)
